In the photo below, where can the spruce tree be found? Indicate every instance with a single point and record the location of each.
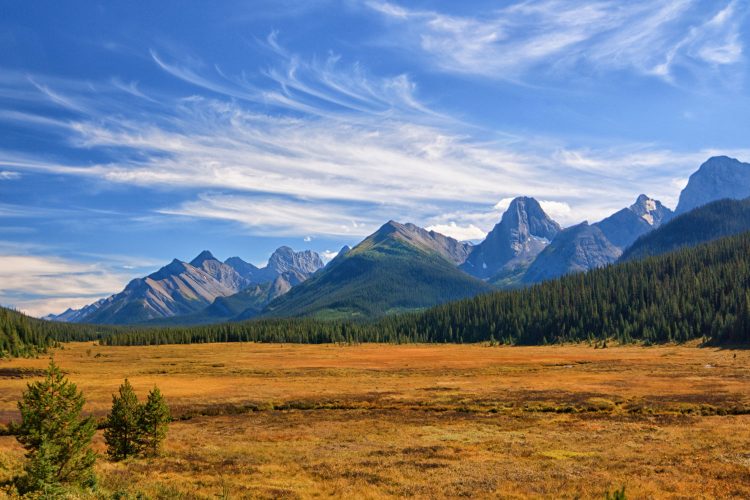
(56, 437)
(153, 423)
(122, 434)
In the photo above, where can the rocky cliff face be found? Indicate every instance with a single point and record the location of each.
(718, 178)
(522, 233)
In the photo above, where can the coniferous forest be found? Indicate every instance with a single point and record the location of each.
(692, 293)
(21, 335)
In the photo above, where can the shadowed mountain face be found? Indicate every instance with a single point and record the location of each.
(718, 178)
(705, 223)
(399, 267)
(624, 227)
(244, 269)
(524, 231)
(575, 249)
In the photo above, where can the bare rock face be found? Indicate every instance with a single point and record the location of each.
(296, 266)
(718, 178)
(522, 233)
(284, 259)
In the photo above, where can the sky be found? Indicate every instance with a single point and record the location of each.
(132, 133)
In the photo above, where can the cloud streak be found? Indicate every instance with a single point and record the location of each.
(39, 285)
(653, 37)
(325, 148)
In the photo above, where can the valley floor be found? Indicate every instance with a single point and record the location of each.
(372, 421)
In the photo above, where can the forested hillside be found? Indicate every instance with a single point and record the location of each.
(700, 292)
(21, 335)
(398, 268)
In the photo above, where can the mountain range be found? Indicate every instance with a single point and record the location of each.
(185, 288)
(403, 267)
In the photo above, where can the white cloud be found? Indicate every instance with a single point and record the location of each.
(40, 285)
(7, 175)
(329, 149)
(273, 216)
(461, 233)
(307, 239)
(328, 255)
(646, 36)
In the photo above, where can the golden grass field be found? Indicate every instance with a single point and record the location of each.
(430, 421)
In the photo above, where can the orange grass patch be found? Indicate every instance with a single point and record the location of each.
(375, 421)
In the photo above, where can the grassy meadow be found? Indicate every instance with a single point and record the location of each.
(377, 421)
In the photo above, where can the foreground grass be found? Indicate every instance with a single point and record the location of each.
(377, 421)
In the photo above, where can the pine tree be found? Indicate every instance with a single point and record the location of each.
(56, 437)
(153, 423)
(122, 433)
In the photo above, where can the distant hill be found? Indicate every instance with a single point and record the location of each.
(718, 178)
(708, 222)
(398, 268)
(176, 289)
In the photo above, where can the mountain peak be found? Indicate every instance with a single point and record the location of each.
(201, 258)
(523, 231)
(717, 178)
(650, 210)
(417, 237)
(285, 259)
(525, 214)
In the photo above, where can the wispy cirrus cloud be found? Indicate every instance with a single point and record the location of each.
(280, 217)
(8, 175)
(312, 147)
(650, 37)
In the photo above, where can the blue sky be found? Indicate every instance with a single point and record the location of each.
(135, 132)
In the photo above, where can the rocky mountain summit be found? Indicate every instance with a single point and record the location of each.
(522, 233)
(718, 178)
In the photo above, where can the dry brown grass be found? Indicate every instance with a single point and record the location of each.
(377, 421)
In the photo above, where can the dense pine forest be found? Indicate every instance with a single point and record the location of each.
(692, 293)
(699, 292)
(21, 335)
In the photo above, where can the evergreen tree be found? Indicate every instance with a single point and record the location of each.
(153, 423)
(56, 437)
(122, 432)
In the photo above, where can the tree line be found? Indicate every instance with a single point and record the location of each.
(21, 335)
